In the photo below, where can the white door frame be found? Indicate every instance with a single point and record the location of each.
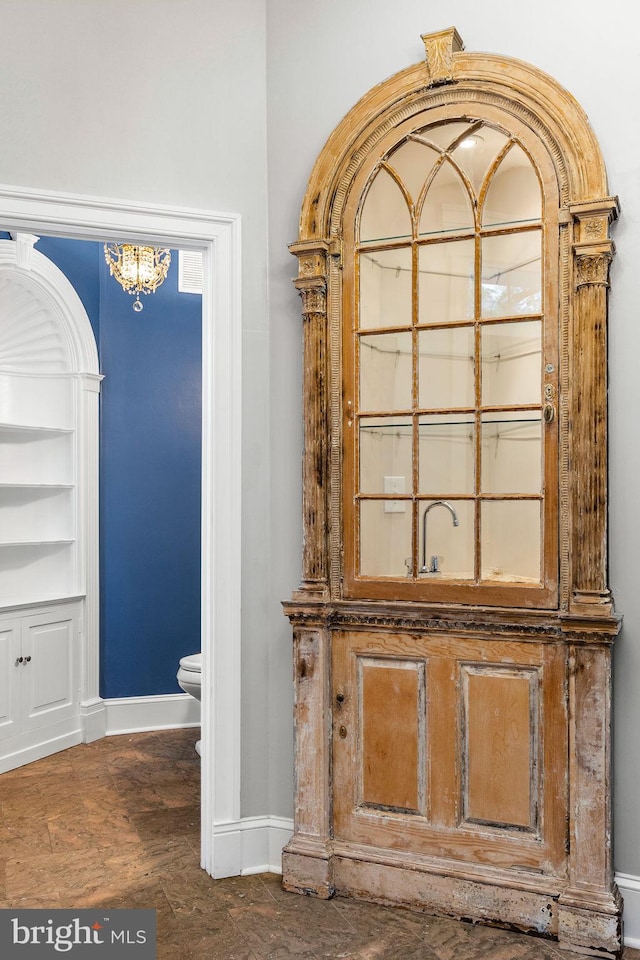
(218, 237)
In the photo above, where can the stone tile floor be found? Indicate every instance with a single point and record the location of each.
(115, 824)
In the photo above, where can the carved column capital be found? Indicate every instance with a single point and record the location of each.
(311, 282)
(593, 249)
(592, 265)
(313, 292)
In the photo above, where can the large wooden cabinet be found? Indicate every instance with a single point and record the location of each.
(454, 627)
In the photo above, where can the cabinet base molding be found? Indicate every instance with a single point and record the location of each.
(586, 922)
(590, 922)
(307, 867)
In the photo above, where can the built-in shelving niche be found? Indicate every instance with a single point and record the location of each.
(49, 386)
(38, 501)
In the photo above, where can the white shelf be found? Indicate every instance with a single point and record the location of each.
(36, 602)
(16, 431)
(37, 568)
(35, 513)
(35, 488)
(33, 457)
(35, 543)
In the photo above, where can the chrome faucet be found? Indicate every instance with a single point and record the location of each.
(433, 567)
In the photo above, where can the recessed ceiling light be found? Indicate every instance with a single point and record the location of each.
(470, 142)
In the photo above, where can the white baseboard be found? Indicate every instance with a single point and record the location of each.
(140, 714)
(629, 887)
(38, 751)
(94, 721)
(250, 845)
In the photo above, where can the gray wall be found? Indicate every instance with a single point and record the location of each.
(321, 59)
(162, 101)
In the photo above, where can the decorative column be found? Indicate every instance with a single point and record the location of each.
(589, 909)
(92, 708)
(311, 283)
(306, 860)
(593, 252)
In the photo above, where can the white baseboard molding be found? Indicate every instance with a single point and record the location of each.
(141, 714)
(250, 845)
(38, 751)
(94, 720)
(629, 887)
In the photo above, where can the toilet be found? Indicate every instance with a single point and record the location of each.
(189, 678)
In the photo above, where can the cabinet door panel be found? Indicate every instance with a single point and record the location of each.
(500, 745)
(392, 725)
(49, 676)
(454, 745)
(10, 677)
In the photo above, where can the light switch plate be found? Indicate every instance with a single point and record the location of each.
(394, 485)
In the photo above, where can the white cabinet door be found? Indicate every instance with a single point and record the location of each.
(50, 669)
(10, 678)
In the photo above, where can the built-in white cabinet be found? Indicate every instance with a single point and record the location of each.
(49, 384)
(39, 681)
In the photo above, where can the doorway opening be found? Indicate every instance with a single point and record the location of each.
(217, 236)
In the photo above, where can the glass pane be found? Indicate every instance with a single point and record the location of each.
(413, 162)
(514, 194)
(447, 537)
(511, 274)
(385, 214)
(477, 152)
(512, 452)
(446, 368)
(447, 205)
(385, 288)
(511, 363)
(385, 455)
(385, 540)
(446, 454)
(385, 372)
(510, 541)
(445, 282)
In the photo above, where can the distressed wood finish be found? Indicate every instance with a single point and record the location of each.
(593, 253)
(312, 287)
(391, 742)
(453, 743)
(500, 754)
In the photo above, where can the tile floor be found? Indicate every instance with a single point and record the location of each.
(115, 824)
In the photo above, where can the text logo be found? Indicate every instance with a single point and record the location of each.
(80, 934)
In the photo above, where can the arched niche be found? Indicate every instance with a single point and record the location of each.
(50, 384)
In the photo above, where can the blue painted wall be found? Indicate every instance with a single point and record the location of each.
(150, 462)
(149, 485)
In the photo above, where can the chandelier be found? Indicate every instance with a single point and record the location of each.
(137, 269)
